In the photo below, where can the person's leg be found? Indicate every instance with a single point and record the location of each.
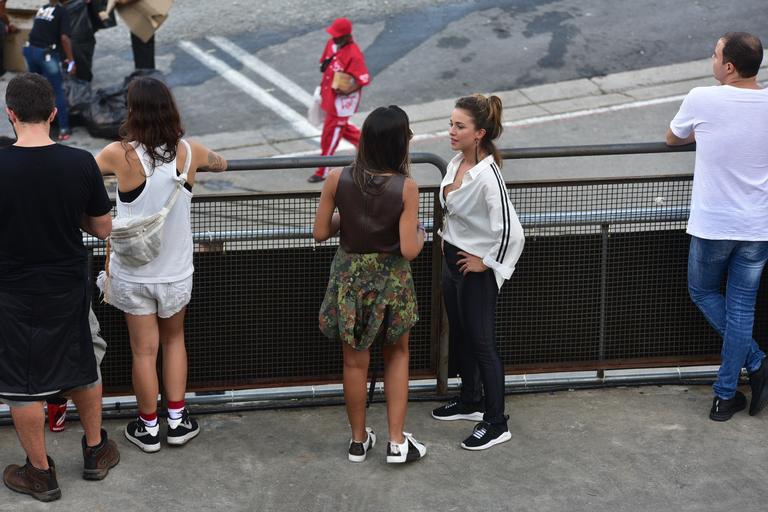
(143, 53)
(52, 72)
(402, 446)
(88, 402)
(174, 356)
(145, 339)
(83, 53)
(29, 421)
(333, 127)
(707, 262)
(744, 271)
(478, 306)
(100, 454)
(38, 476)
(34, 58)
(453, 296)
(396, 374)
(144, 432)
(355, 392)
(351, 133)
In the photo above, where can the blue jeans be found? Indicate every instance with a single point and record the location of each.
(732, 315)
(51, 69)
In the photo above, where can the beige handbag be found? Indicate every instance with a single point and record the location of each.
(138, 240)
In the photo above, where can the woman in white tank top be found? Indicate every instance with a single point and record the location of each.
(154, 296)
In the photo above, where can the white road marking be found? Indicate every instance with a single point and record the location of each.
(262, 69)
(297, 120)
(239, 80)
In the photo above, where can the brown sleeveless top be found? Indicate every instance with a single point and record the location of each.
(370, 220)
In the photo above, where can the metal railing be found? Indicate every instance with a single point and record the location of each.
(600, 286)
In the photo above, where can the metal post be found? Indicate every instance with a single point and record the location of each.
(439, 329)
(603, 291)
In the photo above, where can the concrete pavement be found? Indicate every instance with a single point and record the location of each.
(605, 450)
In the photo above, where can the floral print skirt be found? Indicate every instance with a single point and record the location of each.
(369, 296)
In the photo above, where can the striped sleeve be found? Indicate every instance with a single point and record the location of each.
(505, 228)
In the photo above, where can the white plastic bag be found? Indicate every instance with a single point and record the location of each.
(315, 114)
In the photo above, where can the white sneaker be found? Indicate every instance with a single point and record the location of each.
(409, 451)
(358, 451)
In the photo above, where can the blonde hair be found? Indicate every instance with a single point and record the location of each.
(485, 112)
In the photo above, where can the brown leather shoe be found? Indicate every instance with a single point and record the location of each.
(98, 460)
(40, 484)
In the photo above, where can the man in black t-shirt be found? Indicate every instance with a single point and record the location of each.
(49, 193)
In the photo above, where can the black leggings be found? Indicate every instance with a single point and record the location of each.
(470, 302)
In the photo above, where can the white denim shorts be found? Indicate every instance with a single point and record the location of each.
(161, 299)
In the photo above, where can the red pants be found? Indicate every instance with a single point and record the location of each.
(334, 129)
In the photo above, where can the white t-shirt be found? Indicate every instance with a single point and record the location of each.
(730, 181)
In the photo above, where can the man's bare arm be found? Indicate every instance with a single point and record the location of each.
(100, 226)
(674, 140)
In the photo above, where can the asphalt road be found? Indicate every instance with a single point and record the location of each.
(419, 50)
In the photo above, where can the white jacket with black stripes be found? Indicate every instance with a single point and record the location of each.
(479, 217)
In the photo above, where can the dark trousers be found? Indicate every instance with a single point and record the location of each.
(143, 53)
(83, 52)
(470, 302)
(48, 64)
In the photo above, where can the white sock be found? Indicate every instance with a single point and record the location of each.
(175, 414)
(174, 417)
(153, 427)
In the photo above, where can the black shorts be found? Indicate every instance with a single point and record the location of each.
(45, 342)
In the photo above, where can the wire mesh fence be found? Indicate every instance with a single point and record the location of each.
(601, 284)
(258, 284)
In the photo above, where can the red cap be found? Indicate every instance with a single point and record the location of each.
(340, 27)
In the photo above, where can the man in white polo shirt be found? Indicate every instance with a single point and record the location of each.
(728, 222)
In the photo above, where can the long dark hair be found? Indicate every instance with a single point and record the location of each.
(383, 145)
(486, 113)
(153, 119)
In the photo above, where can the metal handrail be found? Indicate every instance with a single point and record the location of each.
(633, 148)
(302, 162)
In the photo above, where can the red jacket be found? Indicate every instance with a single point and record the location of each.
(348, 59)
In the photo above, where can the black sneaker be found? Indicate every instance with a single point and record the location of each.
(182, 432)
(407, 451)
(358, 451)
(137, 433)
(457, 410)
(758, 381)
(315, 178)
(722, 410)
(486, 435)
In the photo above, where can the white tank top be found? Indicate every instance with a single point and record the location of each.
(174, 262)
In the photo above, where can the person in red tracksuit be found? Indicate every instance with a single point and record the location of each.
(341, 54)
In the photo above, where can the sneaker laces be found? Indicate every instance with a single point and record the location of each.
(481, 429)
(453, 403)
